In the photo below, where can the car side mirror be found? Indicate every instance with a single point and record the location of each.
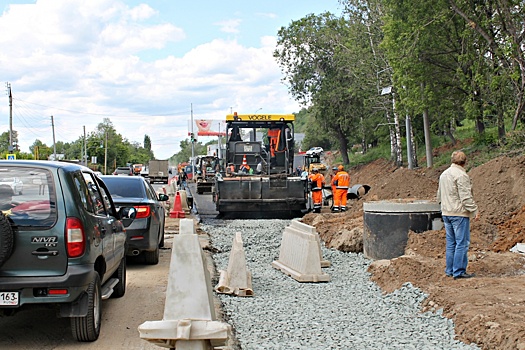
(127, 215)
(163, 197)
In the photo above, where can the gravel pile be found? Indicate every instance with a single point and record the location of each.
(349, 312)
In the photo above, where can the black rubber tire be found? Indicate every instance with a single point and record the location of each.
(6, 239)
(120, 288)
(161, 244)
(152, 257)
(87, 328)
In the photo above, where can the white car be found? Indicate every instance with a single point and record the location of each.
(14, 182)
(314, 150)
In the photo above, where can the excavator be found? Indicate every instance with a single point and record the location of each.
(259, 179)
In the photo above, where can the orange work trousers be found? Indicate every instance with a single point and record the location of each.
(340, 197)
(317, 197)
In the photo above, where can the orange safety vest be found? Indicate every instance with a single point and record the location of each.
(341, 180)
(317, 181)
(274, 137)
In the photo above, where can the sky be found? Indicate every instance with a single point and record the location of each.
(149, 66)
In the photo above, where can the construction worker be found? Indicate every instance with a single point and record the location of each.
(342, 182)
(273, 136)
(304, 174)
(316, 182)
(332, 178)
(230, 170)
(245, 168)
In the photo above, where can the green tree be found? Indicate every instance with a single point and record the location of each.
(500, 23)
(4, 141)
(326, 61)
(184, 154)
(41, 149)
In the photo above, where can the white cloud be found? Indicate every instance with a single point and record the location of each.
(82, 62)
(267, 15)
(143, 11)
(229, 26)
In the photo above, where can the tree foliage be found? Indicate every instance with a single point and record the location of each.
(445, 60)
(323, 59)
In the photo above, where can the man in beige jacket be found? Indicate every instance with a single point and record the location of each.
(457, 208)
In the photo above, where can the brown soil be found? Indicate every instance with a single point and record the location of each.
(489, 309)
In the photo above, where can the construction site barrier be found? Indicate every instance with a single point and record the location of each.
(189, 320)
(236, 279)
(300, 254)
(184, 200)
(172, 188)
(177, 211)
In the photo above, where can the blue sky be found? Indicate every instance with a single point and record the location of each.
(144, 65)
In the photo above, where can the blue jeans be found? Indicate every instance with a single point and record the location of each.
(458, 241)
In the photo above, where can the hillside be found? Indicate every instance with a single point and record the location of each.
(489, 309)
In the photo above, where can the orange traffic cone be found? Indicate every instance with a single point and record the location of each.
(244, 162)
(177, 211)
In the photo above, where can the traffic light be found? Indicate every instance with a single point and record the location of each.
(192, 137)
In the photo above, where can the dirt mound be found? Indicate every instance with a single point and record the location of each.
(489, 309)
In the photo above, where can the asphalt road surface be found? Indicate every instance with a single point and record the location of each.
(144, 301)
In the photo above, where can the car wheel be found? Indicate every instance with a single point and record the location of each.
(87, 328)
(6, 239)
(161, 244)
(152, 257)
(120, 288)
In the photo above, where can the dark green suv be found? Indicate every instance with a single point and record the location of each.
(62, 243)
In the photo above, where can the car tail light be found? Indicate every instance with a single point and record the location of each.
(57, 292)
(143, 211)
(75, 238)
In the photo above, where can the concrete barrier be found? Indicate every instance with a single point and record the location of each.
(184, 200)
(300, 254)
(236, 279)
(189, 320)
(172, 188)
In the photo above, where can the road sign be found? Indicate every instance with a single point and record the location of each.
(11, 156)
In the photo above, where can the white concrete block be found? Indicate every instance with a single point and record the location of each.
(237, 279)
(189, 320)
(300, 254)
(184, 202)
(301, 226)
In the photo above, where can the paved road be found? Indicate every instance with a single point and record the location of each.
(144, 301)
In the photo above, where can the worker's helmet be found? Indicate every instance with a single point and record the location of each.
(315, 170)
(340, 168)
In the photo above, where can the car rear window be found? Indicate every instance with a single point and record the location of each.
(28, 196)
(118, 188)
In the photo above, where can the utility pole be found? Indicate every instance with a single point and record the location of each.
(10, 147)
(85, 147)
(192, 146)
(219, 142)
(106, 155)
(54, 143)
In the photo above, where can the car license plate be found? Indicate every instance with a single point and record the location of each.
(9, 298)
